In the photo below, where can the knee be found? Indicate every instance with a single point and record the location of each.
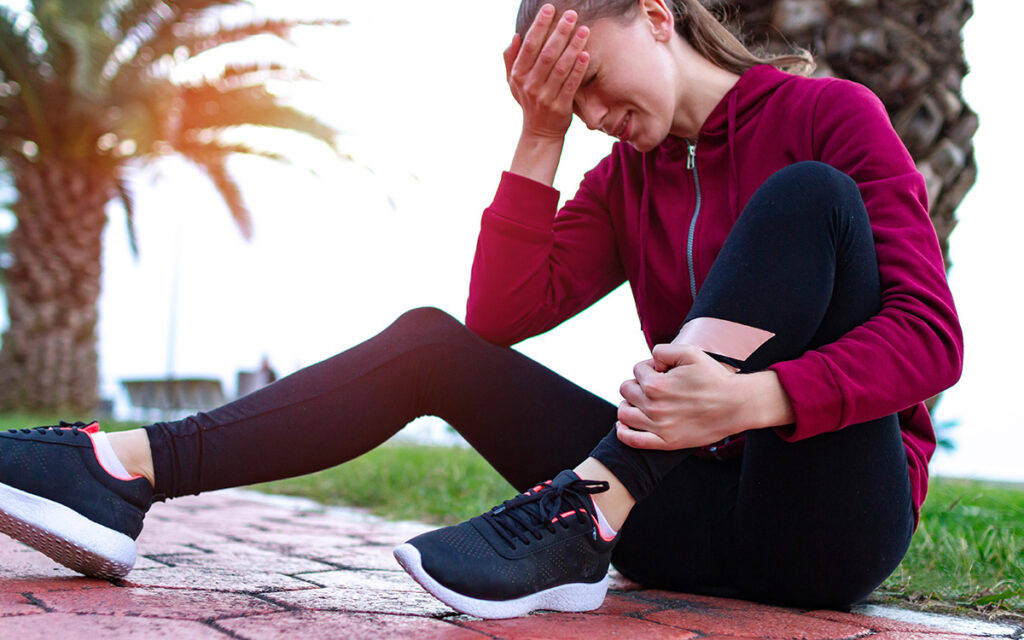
(809, 193)
(814, 183)
(813, 176)
(428, 323)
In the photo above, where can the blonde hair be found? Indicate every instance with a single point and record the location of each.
(702, 30)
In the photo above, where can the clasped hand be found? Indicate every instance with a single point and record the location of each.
(680, 398)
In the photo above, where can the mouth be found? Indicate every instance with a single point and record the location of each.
(624, 129)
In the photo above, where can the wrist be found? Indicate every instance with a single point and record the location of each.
(764, 402)
(537, 156)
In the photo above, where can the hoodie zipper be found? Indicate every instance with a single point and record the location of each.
(691, 165)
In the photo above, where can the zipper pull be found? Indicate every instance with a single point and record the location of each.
(691, 159)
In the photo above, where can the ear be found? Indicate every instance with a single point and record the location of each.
(659, 18)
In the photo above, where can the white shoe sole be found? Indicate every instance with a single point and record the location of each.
(567, 597)
(65, 535)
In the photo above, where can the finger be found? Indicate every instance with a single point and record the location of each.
(535, 37)
(573, 81)
(674, 355)
(566, 62)
(511, 52)
(632, 416)
(644, 372)
(554, 47)
(632, 393)
(639, 439)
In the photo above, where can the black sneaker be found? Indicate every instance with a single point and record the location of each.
(539, 550)
(56, 497)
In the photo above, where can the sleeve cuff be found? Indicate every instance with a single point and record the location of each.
(525, 202)
(817, 401)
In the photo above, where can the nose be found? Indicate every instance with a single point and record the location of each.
(590, 112)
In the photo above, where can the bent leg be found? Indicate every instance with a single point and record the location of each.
(798, 268)
(800, 265)
(425, 363)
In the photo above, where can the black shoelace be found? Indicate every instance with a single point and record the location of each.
(59, 429)
(525, 516)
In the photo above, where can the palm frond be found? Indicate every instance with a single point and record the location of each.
(215, 167)
(210, 107)
(219, 147)
(127, 198)
(258, 73)
(19, 63)
(140, 23)
(200, 39)
(86, 51)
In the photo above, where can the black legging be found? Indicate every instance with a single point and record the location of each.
(820, 522)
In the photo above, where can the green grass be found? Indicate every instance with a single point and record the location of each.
(967, 555)
(443, 485)
(21, 420)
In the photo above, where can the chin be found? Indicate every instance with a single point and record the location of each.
(643, 146)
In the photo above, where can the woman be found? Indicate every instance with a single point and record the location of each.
(775, 234)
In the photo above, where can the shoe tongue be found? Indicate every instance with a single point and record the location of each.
(564, 479)
(92, 427)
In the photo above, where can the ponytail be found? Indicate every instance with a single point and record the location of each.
(711, 39)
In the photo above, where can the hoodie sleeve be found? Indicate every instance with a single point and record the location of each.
(535, 268)
(913, 348)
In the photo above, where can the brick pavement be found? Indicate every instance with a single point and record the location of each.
(234, 564)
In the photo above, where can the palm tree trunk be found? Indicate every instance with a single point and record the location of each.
(48, 359)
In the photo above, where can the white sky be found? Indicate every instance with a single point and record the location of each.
(420, 93)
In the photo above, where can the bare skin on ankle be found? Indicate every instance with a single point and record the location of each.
(616, 502)
(132, 448)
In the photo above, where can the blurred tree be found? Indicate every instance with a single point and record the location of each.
(6, 195)
(5, 258)
(87, 88)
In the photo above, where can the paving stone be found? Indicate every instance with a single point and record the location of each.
(36, 584)
(951, 624)
(15, 604)
(215, 580)
(575, 626)
(300, 543)
(160, 549)
(18, 560)
(694, 601)
(323, 625)
(756, 622)
(330, 573)
(47, 626)
(363, 579)
(413, 603)
(913, 635)
(240, 557)
(142, 562)
(156, 603)
(364, 557)
(617, 604)
(873, 622)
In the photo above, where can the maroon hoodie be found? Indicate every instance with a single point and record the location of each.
(649, 217)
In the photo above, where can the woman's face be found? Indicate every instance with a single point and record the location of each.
(628, 90)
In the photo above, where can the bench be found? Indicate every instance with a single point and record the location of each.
(172, 398)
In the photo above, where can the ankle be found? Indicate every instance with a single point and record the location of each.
(132, 448)
(617, 502)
